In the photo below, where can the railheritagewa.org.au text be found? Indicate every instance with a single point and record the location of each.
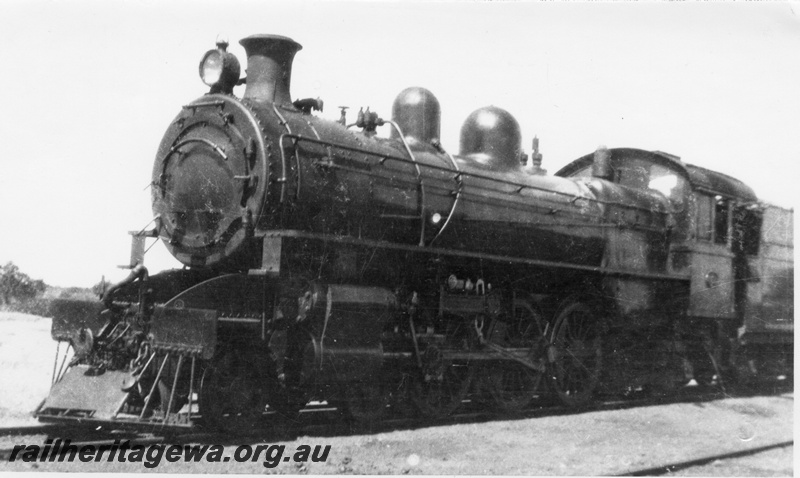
(151, 456)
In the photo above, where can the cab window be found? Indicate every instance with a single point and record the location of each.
(721, 219)
(643, 174)
(705, 217)
(670, 184)
(713, 218)
(747, 222)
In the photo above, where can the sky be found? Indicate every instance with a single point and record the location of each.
(91, 86)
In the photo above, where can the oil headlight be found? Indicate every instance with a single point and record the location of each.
(220, 69)
(211, 68)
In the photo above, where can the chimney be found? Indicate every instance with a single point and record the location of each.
(269, 67)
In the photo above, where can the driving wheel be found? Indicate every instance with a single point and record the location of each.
(511, 384)
(576, 354)
(442, 385)
(232, 394)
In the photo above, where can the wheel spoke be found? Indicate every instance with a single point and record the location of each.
(438, 397)
(232, 395)
(512, 385)
(577, 367)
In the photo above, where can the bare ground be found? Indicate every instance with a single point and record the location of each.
(27, 354)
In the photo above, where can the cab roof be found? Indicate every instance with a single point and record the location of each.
(621, 153)
(717, 183)
(701, 179)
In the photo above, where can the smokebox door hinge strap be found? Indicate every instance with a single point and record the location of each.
(196, 140)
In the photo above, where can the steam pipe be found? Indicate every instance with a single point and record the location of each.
(138, 272)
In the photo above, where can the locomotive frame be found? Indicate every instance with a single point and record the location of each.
(327, 264)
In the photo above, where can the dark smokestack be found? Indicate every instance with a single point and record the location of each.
(269, 67)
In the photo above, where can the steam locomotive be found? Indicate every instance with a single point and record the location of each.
(324, 262)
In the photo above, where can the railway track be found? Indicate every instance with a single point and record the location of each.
(319, 421)
(683, 465)
(321, 418)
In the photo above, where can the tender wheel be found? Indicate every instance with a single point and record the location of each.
(669, 367)
(702, 352)
(233, 393)
(442, 386)
(576, 354)
(704, 373)
(512, 385)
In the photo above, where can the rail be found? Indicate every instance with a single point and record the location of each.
(682, 465)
